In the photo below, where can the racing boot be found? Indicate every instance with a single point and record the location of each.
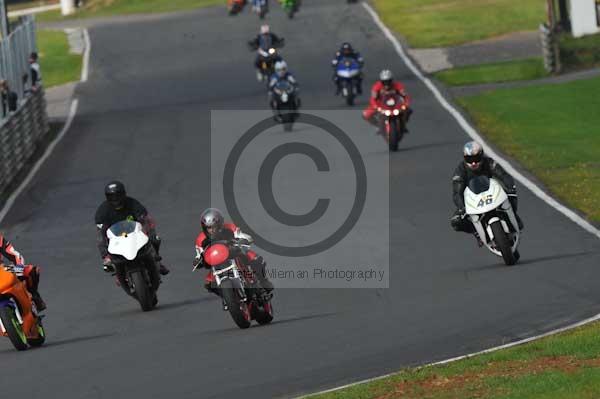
(37, 299)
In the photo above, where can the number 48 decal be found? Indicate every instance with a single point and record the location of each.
(485, 201)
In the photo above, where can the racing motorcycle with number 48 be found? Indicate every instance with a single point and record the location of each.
(242, 295)
(489, 209)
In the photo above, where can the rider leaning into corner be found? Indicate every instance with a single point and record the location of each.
(29, 273)
(384, 86)
(474, 164)
(214, 228)
(118, 207)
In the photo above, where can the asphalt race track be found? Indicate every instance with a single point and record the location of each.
(144, 118)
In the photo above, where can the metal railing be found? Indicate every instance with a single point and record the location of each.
(14, 57)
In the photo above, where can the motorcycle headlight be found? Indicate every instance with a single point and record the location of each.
(396, 112)
(388, 112)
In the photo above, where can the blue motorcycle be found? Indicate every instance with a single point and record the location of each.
(261, 7)
(348, 74)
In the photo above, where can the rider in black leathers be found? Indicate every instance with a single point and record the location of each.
(474, 164)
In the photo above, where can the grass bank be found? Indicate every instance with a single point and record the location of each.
(59, 66)
(107, 8)
(493, 73)
(442, 23)
(564, 366)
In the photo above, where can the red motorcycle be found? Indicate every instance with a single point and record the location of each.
(392, 119)
(242, 295)
(235, 6)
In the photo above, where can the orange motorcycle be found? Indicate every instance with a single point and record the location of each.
(19, 318)
(235, 6)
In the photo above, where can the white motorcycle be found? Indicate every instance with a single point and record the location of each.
(131, 252)
(489, 209)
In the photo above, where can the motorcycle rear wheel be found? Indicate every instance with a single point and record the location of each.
(503, 244)
(237, 309)
(265, 314)
(39, 341)
(14, 330)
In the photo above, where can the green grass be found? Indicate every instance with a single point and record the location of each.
(58, 65)
(553, 131)
(528, 69)
(106, 8)
(579, 53)
(30, 4)
(564, 366)
(441, 23)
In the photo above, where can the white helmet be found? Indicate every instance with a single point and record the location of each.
(264, 29)
(281, 68)
(473, 155)
(386, 76)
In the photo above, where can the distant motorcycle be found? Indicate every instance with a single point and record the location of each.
(285, 104)
(267, 64)
(131, 251)
(235, 6)
(392, 119)
(348, 73)
(290, 7)
(241, 293)
(489, 209)
(19, 318)
(260, 7)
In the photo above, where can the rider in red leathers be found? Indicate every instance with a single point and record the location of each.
(383, 86)
(214, 228)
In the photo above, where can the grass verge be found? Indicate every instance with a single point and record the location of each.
(106, 8)
(580, 53)
(442, 23)
(59, 66)
(553, 131)
(564, 366)
(528, 69)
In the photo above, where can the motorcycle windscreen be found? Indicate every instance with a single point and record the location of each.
(484, 200)
(479, 184)
(126, 238)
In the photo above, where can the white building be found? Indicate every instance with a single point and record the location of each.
(585, 17)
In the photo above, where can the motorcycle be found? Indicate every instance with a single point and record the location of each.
(131, 250)
(234, 7)
(285, 104)
(290, 7)
(241, 293)
(489, 209)
(261, 7)
(267, 65)
(392, 119)
(348, 73)
(19, 318)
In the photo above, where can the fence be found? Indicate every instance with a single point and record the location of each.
(14, 55)
(24, 130)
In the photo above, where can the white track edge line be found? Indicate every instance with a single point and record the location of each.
(522, 179)
(11, 200)
(86, 56)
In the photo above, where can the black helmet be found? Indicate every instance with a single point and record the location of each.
(212, 221)
(115, 194)
(346, 49)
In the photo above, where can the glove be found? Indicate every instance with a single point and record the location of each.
(108, 265)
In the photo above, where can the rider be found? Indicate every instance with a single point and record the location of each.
(346, 51)
(214, 228)
(282, 73)
(29, 273)
(118, 207)
(386, 85)
(475, 163)
(265, 40)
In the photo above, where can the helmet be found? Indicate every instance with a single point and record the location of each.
(264, 29)
(473, 155)
(212, 221)
(346, 49)
(115, 194)
(386, 77)
(281, 68)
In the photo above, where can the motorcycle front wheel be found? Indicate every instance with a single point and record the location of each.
(13, 328)
(503, 244)
(143, 292)
(237, 308)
